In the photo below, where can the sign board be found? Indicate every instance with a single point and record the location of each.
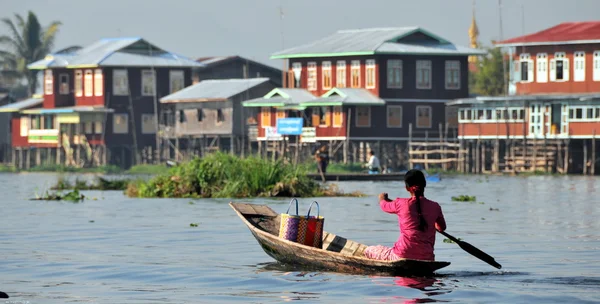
(309, 135)
(271, 133)
(289, 126)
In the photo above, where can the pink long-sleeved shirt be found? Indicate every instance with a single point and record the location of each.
(413, 243)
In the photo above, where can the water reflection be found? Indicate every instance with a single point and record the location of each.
(430, 286)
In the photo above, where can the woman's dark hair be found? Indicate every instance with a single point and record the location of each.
(415, 182)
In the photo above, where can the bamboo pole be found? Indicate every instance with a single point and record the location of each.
(593, 168)
(585, 157)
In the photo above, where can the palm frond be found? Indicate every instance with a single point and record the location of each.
(19, 45)
(47, 39)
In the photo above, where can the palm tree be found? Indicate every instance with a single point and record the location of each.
(28, 42)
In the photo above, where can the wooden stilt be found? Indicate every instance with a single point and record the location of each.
(585, 157)
(593, 168)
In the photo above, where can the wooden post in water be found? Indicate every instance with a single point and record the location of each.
(593, 168)
(585, 160)
(566, 161)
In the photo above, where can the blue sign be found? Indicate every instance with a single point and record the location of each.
(289, 126)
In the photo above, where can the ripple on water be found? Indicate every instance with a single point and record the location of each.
(144, 251)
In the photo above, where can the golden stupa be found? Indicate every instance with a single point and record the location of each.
(473, 35)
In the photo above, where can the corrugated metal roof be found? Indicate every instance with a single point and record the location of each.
(566, 32)
(117, 52)
(280, 97)
(20, 105)
(211, 60)
(370, 41)
(540, 97)
(348, 96)
(214, 89)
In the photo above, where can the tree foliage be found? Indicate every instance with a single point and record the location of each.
(490, 79)
(27, 42)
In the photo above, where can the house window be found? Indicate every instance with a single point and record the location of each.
(182, 117)
(88, 83)
(312, 76)
(424, 74)
(78, 83)
(526, 68)
(148, 83)
(48, 122)
(355, 73)
(88, 127)
(394, 116)
(452, 74)
(175, 81)
(25, 124)
(265, 117)
(579, 62)
(297, 69)
(542, 67)
(370, 71)
(98, 83)
(584, 113)
(340, 80)
(98, 127)
(394, 72)
(323, 113)
(220, 116)
(559, 68)
(338, 116)
(120, 83)
(199, 114)
(48, 82)
(120, 124)
(423, 117)
(63, 84)
(148, 124)
(597, 66)
(326, 71)
(363, 117)
(280, 114)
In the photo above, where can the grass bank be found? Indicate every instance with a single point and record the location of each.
(226, 176)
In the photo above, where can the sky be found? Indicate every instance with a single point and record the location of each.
(255, 29)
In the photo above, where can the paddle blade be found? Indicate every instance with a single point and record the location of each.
(478, 254)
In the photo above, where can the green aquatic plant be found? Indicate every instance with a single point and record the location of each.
(194, 224)
(464, 198)
(227, 176)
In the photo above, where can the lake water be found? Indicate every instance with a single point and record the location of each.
(114, 249)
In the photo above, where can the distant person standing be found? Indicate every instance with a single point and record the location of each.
(373, 164)
(322, 157)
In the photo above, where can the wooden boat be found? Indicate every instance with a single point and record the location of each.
(339, 254)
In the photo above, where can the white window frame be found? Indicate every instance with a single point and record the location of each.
(579, 66)
(452, 66)
(394, 68)
(526, 58)
(98, 82)
(596, 66)
(585, 113)
(78, 83)
(559, 56)
(370, 74)
(423, 66)
(120, 82)
(88, 83)
(48, 82)
(368, 114)
(387, 116)
(340, 74)
(355, 67)
(63, 90)
(311, 83)
(297, 72)
(122, 116)
(148, 76)
(145, 127)
(541, 63)
(326, 71)
(179, 76)
(471, 115)
(417, 117)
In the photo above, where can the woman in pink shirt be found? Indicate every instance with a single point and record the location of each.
(418, 219)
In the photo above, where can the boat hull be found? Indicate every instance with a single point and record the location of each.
(339, 254)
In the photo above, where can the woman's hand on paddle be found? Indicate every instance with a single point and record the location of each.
(384, 197)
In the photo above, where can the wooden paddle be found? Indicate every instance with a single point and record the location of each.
(473, 250)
